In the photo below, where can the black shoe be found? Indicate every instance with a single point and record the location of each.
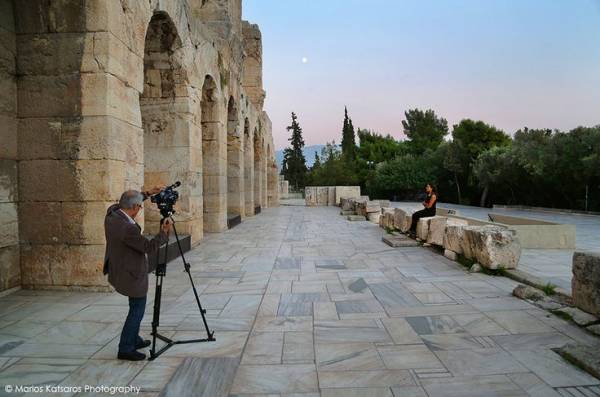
(133, 356)
(143, 344)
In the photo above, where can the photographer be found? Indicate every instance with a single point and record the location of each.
(126, 264)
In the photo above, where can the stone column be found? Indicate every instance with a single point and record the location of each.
(79, 138)
(235, 176)
(10, 271)
(248, 174)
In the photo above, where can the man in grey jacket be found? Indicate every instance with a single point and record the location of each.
(127, 267)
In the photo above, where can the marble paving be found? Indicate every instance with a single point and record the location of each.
(303, 303)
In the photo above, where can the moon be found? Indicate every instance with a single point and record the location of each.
(304, 60)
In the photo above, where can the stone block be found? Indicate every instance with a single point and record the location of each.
(83, 222)
(450, 255)
(8, 137)
(437, 228)
(347, 204)
(585, 284)
(372, 206)
(62, 265)
(331, 196)
(453, 238)
(423, 228)
(398, 241)
(8, 181)
(322, 195)
(310, 196)
(41, 222)
(39, 16)
(356, 218)
(374, 217)
(492, 246)
(385, 203)
(346, 212)
(50, 54)
(55, 96)
(346, 192)
(527, 292)
(104, 95)
(10, 268)
(9, 225)
(578, 316)
(402, 219)
(8, 87)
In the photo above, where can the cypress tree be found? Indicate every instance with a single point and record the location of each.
(348, 138)
(294, 160)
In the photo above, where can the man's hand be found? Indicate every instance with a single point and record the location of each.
(154, 190)
(167, 226)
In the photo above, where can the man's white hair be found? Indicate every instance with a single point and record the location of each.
(130, 198)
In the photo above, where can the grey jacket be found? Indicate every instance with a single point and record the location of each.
(125, 259)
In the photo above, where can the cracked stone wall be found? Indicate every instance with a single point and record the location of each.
(114, 95)
(10, 272)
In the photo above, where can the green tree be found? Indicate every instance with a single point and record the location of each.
(403, 177)
(293, 156)
(424, 129)
(490, 169)
(469, 139)
(348, 138)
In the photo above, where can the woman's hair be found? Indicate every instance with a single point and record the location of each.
(433, 189)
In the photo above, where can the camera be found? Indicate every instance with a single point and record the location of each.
(166, 199)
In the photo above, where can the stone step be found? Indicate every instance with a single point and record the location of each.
(357, 218)
(398, 241)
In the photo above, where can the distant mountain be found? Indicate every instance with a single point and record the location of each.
(309, 154)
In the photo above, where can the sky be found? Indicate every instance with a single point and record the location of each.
(517, 63)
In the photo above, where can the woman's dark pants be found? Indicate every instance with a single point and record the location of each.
(424, 213)
(130, 334)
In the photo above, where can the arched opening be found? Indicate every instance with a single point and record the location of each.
(214, 154)
(235, 178)
(248, 170)
(168, 125)
(258, 160)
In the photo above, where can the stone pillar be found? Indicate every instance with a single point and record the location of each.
(273, 184)
(264, 180)
(235, 176)
(79, 138)
(214, 160)
(248, 171)
(252, 68)
(10, 271)
(258, 170)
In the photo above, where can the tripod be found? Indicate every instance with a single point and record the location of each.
(161, 271)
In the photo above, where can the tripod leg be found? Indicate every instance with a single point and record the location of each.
(160, 272)
(186, 265)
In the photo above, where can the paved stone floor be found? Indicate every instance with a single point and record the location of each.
(304, 303)
(551, 265)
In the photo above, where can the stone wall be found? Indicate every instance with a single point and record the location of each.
(10, 273)
(114, 95)
(585, 283)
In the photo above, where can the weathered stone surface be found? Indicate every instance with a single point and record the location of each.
(594, 329)
(578, 316)
(527, 292)
(402, 219)
(374, 217)
(584, 356)
(450, 255)
(423, 228)
(586, 281)
(346, 212)
(437, 228)
(491, 246)
(331, 195)
(10, 270)
(385, 203)
(356, 218)
(372, 206)
(475, 268)
(346, 192)
(453, 238)
(398, 241)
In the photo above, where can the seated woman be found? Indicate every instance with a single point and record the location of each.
(429, 205)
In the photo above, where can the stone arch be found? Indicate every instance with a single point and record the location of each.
(258, 165)
(235, 177)
(214, 154)
(248, 170)
(170, 149)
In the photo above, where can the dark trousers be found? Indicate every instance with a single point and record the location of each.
(424, 213)
(131, 329)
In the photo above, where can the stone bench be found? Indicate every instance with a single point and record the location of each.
(585, 284)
